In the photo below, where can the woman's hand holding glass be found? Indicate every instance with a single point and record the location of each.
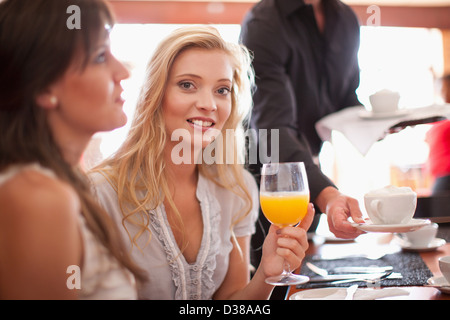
(284, 197)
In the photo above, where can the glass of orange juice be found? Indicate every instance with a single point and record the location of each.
(284, 198)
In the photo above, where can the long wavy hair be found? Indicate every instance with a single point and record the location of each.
(137, 170)
(36, 49)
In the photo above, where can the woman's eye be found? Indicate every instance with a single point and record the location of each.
(224, 91)
(101, 54)
(185, 85)
(101, 57)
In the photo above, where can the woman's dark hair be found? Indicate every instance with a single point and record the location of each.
(36, 49)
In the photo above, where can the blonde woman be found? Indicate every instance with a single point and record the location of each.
(188, 212)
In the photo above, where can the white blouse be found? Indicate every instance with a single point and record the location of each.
(170, 275)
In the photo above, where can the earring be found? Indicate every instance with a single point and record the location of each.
(53, 100)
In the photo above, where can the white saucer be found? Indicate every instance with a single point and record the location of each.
(341, 293)
(320, 294)
(414, 224)
(365, 114)
(433, 245)
(441, 283)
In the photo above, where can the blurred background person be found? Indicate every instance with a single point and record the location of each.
(438, 139)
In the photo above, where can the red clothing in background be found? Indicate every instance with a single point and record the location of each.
(438, 138)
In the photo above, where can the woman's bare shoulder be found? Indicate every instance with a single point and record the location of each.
(31, 194)
(39, 235)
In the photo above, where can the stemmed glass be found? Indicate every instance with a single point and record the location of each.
(284, 198)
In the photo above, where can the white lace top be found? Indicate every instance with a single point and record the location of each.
(101, 276)
(170, 275)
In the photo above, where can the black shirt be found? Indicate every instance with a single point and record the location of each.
(302, 74)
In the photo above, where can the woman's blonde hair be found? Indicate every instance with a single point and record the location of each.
(136, 170)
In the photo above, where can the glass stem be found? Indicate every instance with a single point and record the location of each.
(286, 268)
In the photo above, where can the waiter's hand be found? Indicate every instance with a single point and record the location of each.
(339, 208)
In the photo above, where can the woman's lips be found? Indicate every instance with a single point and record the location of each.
(201, 123)
(120, 100)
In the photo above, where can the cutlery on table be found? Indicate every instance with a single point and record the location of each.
(370, 256)
(369, 279)
(323, 272)
(351, 277)
(362, 269)
(320, 271)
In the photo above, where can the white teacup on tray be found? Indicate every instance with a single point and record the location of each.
(384, 102)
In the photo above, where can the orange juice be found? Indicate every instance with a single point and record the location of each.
(284, 208)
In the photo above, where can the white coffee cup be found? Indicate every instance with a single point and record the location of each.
(391, 205)
(422, 237)
(444, 266)
(384, 101)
